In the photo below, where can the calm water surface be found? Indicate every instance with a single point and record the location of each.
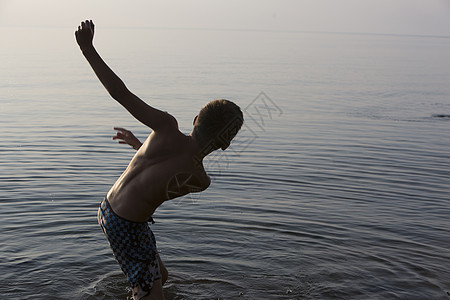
(336, 188)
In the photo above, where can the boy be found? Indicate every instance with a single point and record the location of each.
(167, 165)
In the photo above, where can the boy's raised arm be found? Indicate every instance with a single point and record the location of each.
(152, 117)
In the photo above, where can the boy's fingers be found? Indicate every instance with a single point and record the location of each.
(122, 130)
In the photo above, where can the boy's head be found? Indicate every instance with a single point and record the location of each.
(217, 124)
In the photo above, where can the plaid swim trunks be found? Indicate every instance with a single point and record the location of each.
(134, 247)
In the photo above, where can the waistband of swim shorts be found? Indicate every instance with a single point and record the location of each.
(105, 205)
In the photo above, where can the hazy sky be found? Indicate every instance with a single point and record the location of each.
(427, 17)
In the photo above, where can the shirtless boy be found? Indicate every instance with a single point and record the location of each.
(167, 165)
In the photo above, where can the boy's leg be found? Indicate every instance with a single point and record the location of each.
(156, 293)
(163, 270)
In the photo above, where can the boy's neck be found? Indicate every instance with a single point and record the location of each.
(202, 148)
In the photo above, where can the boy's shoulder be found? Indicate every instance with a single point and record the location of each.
(172, 121)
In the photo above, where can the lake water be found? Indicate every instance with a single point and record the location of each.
(336, 188)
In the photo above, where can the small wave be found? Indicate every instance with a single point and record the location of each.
(445, 116)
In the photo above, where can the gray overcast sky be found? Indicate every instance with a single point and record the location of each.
(423, 17)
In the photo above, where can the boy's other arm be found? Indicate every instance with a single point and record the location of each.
(150, 116)
(127, 137)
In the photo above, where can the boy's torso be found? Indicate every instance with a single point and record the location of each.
(162, 169)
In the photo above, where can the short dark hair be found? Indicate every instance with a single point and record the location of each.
(218, 122)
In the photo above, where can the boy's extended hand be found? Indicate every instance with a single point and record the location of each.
(127, 137)
(85, 34)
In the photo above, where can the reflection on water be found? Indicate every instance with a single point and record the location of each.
(337, 187)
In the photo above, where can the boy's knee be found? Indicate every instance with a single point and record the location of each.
(164, 275)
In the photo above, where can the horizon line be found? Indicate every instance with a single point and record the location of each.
(244, 30)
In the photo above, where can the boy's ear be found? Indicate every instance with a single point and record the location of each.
(195, 120)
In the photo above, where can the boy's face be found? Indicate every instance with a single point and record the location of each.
(224, 147)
